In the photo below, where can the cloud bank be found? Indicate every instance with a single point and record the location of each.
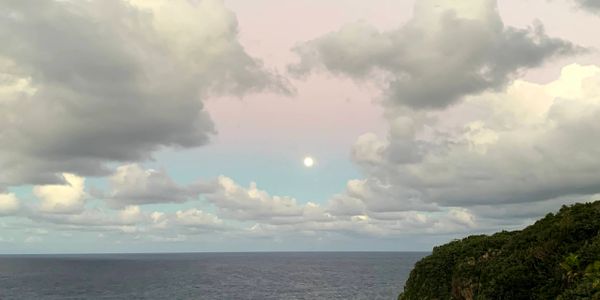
(87, 86)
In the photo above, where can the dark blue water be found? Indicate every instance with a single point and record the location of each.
(307, 275)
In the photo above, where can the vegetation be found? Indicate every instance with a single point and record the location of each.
(558, 257)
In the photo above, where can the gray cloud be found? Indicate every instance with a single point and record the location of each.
(507, 147)
(367, 197)
(448, 50)
(133, 185)
(529, 211)
(85, 83)
(532, 143)
(590, 5)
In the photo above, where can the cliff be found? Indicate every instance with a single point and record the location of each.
(558, 257)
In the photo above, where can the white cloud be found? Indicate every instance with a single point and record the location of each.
(196, 218)
(159, 219)
(63, 199)
(9, 204)
(343, 214)
(131, 214)
(237, 202)
(250, 203)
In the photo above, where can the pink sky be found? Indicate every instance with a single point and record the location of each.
(330, 112)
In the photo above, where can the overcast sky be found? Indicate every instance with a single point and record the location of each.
(168, 126)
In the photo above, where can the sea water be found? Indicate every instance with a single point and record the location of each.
(280, 275)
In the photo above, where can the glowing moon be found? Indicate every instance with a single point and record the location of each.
(309, 161)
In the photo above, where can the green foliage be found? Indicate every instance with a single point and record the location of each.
(558, 257)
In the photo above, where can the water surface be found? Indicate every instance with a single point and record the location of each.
(281, 275)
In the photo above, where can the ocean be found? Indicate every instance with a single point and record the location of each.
(263, 275)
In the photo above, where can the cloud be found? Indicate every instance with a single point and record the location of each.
(131, 214)
(66, 198)
(133, 185)
(91, 219)
(449, 49)
(196, 218)
(530, 211)
(269, 216)
(381, 225)
(531, 143)
(9, 204)
(87, 83)
(283, 215)
(590, 5)
(464, 137)
(133, 221)
(236, 202)
(371, 195)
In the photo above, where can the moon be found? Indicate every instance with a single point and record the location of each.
(309, 162)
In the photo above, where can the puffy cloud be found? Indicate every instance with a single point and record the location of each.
(273, 216)
(133, 185)
(131, 214)
(237, 202)
(66, 198)
(531, 143)
(372, 195)
(196, 218)
(86, 83)
(159, 219)
(351, 214)
(449, 49)
(9, 204)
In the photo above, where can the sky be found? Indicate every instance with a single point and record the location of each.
(182, 126)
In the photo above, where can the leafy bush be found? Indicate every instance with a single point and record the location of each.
(558, 257)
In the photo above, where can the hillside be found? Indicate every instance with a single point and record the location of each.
(558, 257)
